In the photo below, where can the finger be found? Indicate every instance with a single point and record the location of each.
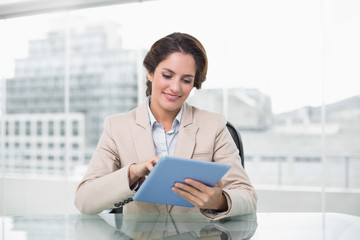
(188, 196)
(187, 188)
(154, 161)
(192, 193)
(151, 163)
(150, 166)
(219, 185)
(198, 185)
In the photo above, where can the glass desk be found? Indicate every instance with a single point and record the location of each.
(277, 226)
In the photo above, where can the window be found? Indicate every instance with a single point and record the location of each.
(39, 128)
(75, 127)
(17, 128)
(288, 83)
(51, 128)
(75, 146)
(7, 128)
(62, 128)
(28, 128)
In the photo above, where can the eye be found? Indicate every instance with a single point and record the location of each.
(167, 76)
(187, 81)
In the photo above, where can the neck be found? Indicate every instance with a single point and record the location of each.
(165, 118)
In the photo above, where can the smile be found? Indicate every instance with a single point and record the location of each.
(171, 97)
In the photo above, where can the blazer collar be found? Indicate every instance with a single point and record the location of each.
(187, 116)
(142, 116)
(187, 134)
(142, 133)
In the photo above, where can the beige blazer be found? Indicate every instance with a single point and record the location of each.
(127, 139)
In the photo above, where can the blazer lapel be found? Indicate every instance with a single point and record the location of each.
(143, 140)
(187, 133)
(142, 134)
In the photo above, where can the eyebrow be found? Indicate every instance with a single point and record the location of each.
(171, 71)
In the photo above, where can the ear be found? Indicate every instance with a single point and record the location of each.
(150, 76)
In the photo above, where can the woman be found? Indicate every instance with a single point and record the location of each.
(164, 124)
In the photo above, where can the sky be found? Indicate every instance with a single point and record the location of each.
(289, 50)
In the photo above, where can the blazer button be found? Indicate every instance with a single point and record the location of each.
(121, 204)
(117, 205)
(126, 201)
(130, 199)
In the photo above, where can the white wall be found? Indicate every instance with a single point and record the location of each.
(298, 199)
(34, 196)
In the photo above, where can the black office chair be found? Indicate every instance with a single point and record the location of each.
(235, 134)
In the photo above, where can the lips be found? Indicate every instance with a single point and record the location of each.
(171, 97)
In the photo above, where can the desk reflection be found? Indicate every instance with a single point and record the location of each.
(164, 226)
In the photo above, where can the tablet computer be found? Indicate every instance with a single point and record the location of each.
(168, 170)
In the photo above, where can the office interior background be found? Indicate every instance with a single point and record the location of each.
(285, 73)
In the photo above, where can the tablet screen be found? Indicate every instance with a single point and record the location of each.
(169, 170)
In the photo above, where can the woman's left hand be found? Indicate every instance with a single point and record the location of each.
(202, 196)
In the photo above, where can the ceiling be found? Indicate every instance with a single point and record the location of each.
(18, 8)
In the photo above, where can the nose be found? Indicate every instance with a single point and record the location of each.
(175, 86)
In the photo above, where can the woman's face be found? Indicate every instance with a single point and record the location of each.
(172, 82)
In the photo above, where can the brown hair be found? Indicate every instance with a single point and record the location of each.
(177, 42)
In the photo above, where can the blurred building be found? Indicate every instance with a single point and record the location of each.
(40, 143)
(250, 108)
(1, 96)
(101, 80)
(344, 111)
(102, 77)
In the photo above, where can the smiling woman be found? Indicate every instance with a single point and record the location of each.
(171, 84)
(175, 64)
(178, 43)
(164, 125)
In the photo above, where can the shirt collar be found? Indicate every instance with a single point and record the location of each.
(153, 119)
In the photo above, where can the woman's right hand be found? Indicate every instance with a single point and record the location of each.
(142, 169)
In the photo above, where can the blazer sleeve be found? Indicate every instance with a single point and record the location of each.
(240, 194)
(105, 182)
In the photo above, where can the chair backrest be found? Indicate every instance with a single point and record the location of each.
(235, 134)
